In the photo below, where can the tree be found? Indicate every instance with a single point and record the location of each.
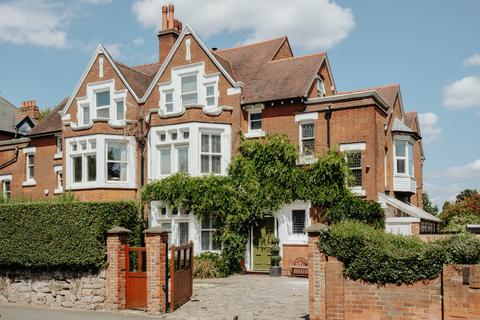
(467, 193)
(44, 113)
(428, 205)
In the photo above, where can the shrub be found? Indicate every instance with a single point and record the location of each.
(374, 256)
(62, 235)
(208, 265)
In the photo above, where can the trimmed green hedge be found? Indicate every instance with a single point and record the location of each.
(374, 256)
(70, 235)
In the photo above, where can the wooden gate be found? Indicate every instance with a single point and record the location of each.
(181, 274)
(136, 277)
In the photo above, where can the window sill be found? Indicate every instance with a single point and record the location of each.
(358, 191)
(57, 191)
(29, 183)
(255, 134)
(58, 156)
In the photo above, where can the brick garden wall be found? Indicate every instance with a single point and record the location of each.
(454, 295)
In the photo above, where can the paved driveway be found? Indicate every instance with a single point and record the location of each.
(248, 297)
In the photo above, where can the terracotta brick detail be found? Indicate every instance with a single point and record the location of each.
(332, 296)
(156, 246)
(115, 277)
(291, 252)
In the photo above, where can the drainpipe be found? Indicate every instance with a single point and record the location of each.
(328, 116)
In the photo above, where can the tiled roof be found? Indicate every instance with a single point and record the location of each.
(267, 80)
(399, 126)
(388, 92)
(138, 80)
(51, 123)
(8, 115)
(148, 69)
(410, 119)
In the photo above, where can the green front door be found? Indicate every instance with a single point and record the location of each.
(262, 243)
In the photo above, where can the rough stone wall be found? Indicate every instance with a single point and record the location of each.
(54, 289)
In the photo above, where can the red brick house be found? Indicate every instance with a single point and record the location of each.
(124, 126)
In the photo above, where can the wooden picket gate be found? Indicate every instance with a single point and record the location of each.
(136, 277)
(181, 274)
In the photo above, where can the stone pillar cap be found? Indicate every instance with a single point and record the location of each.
(317, 227)
(118, 230)
(155, 230)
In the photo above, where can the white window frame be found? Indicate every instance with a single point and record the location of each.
(214, 96)
(104, 107)
(302, 152)
(355, 147)
(29, 181)
(115, 104)
(211, 232)
(3, 180)
(58, 171)
(97, 144)
(408, 158)
(320, 86)
(182, 94)
(107, 161)
(210, 153)
(254, 133)
(165, 103)
(58, 147)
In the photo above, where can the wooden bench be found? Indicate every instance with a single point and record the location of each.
(299, 268)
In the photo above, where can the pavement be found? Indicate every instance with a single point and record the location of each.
(248, 297)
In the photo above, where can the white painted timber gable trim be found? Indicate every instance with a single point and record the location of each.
(187, 30)
(100, 50)
(356, 146)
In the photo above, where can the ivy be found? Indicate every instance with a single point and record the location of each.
(262, 178)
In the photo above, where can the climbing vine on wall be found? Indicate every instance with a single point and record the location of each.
(263, 177)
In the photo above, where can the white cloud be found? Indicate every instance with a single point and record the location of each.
(472, 61)
(114, 49)
(428, 126)
(470, 170)
(439, 193)
(309, 24)
(37, 22)
(138, 41)
(461, 94)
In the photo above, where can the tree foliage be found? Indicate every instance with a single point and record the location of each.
(262, 178)
(455, 216)
(428, 205)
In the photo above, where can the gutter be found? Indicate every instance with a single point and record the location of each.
(9, 162)
(339, 97)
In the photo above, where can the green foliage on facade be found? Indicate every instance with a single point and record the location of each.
(373, 256)
(262, 178)
(62, 235)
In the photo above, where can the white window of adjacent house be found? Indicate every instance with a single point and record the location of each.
(354, 161)
(189, 90)
(117, 164)
(210, 95)
(120, 110)
(403, 157)
(30, 174)
(91, 165)
(209, 228)
(168, 101)
(6, 189)
(298, 221)
(102, 104)
(77, 168)
(320, 87)
(210, 153)
(307, 138)
(255, 121)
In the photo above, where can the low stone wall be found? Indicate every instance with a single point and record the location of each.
(54, 289)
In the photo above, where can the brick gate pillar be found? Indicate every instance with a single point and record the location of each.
(156, 243)
(316, 274)
(115, 277)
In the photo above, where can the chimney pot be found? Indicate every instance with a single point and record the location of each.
(171, 16)
(164, 17)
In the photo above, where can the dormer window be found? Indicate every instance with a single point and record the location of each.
(320, 87)
(189, 90)
(102, 104)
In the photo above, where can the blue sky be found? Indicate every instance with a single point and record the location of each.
(430, 47)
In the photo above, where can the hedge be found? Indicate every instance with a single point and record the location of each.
(69, 235)
(374, 256)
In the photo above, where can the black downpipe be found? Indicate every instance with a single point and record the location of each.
(167, 282)
(328, 116)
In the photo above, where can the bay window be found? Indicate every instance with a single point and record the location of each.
(189, 92)
(182, 158)
(116, 161)
(403, 157)
(102, 104)
(183, 236)
(210, 153)
(307, 139)
(77, 168)
(165, 160)
(210, 226)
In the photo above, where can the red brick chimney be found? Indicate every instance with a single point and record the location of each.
(29, 108)
(171, 29)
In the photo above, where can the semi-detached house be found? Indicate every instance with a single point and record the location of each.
(124, 126)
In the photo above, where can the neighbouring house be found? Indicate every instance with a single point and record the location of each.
(124, 126)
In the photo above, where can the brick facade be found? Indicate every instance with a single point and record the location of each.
(454, 295)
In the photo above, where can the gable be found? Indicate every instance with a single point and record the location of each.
(284, 52)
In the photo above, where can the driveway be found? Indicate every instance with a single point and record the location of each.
(248, 297)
